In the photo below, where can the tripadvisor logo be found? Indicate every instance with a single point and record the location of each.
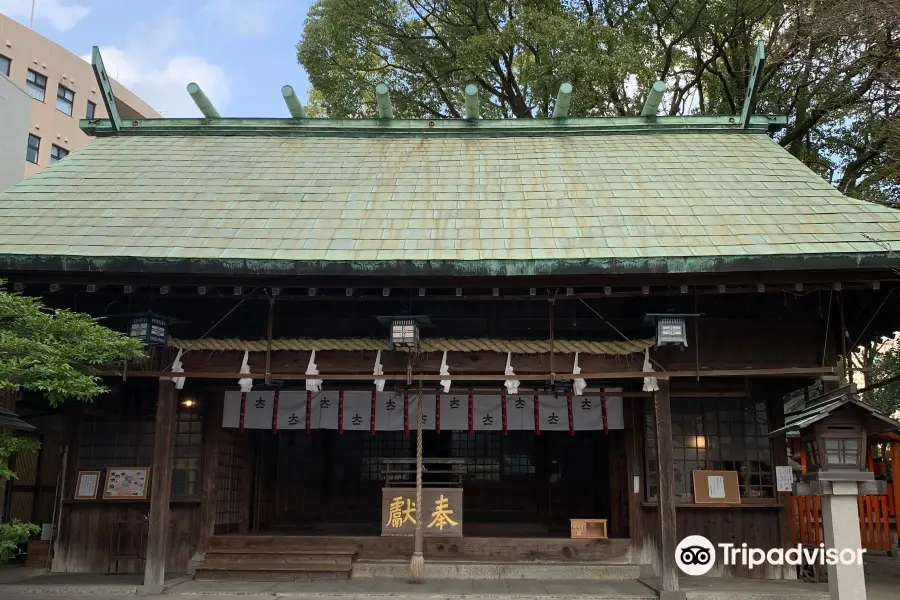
(696, 555)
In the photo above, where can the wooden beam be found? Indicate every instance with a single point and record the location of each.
(269, 338)
(563, 100)
(759, 62)
(779, 452)
(383, 99)
(161, 484)
(74, 417)
(212, 424)
(634, 452)
(787, 372)
(472, 102)
(203, 103)
(654, 98)
(668, 534)
(895, 472)
(293, 103)
(103, 82)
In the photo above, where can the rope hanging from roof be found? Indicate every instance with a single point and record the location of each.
(613, 348)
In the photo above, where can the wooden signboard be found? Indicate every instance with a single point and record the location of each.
(442, 512)
(127, 483)
(716, 487)
(87, 485)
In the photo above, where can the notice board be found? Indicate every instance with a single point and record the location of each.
(716, 487)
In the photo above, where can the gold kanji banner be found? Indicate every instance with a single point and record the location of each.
(441, 512)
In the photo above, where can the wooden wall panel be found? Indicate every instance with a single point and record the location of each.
(91, 533)
(757, 526)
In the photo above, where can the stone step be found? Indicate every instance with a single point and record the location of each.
(461, 569)
(276, 544)
(273, 572)
(228, 557)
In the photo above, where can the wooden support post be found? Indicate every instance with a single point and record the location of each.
(756, 75)
(779, 451)
(668, 534)
(7, 401)
(161, 484)
(634, 451)
(895, 476)
(103, 81)
(212, 426)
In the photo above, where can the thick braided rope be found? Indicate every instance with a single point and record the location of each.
(417, 546)
(427, 345)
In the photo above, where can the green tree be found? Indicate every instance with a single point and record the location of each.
(885, 366)
(833, 66)
(54, 353)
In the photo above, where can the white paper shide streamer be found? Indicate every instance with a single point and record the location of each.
(379, 370)
(313, 385)
(650, 384)
(578, 384)
(177, 367)
(246, 383)
(512, 385)
(445, 370)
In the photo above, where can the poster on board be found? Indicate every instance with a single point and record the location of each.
(127, 483)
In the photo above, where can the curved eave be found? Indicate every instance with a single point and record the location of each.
(450, 268)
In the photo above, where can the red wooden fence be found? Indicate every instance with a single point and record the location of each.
(874, 526)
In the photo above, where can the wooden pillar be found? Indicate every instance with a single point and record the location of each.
(779, 449)
(8, 401)
(634, 456)
(668, 535)
(161, 484)
(895, 481)
(212, 429)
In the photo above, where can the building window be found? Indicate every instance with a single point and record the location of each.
(65, 99)
(36, 85)
(5, 63)
(126, 439)
(91, 109)
(105, 444)
(188, 449)
(57, 153)
(719, 434)
(34, 148)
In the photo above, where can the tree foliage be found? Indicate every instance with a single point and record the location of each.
(878, 361)
(885, 366)
(833, 66)
(54, 351)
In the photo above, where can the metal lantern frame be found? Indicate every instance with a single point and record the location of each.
(149, 327)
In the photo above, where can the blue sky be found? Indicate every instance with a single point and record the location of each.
(240, 51)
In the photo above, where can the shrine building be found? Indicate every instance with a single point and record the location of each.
(597, 318)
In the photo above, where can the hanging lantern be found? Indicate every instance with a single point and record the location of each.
(404, 333)
(152, 329)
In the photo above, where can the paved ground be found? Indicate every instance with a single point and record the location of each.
(882, 574)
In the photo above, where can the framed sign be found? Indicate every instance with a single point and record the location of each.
(441, 513)
(127, 483)
(87, 485)
(716, 487)
(784, 478)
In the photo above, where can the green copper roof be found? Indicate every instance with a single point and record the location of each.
(519, 202)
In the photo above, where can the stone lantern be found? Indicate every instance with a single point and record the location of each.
(834, 431)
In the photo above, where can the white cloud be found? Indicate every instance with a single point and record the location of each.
(62, 16)
(153, 65)
(246, 18)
